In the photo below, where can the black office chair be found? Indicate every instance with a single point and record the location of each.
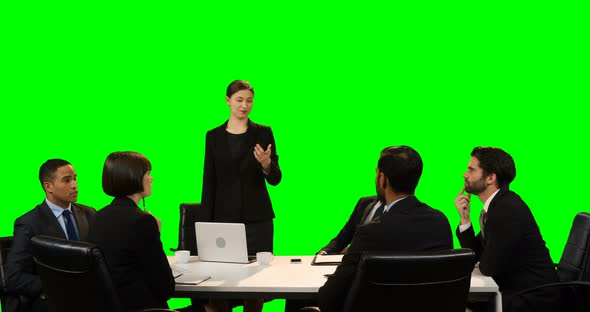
(75, 276)
(189, 214)
(425, 281)
(574, 264)
(5, 244)
(16, 302)
(572, 293)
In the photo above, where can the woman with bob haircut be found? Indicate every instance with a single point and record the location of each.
(130, 237)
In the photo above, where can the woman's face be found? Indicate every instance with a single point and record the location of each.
(147, 184)
(240, 103)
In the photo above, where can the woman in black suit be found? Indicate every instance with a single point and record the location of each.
(240, 158)
(130, 237)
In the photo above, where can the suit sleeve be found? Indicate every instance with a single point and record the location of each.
(332, 295)
(209, 179)
(344, 237)
(467, 239)
(21, 276)
(275, 175)
(153, 261)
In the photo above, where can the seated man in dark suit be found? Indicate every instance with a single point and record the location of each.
(56, 216)
(405, 225)
(509, 246)
(366, 209)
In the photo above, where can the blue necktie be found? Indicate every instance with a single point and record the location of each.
(70, 225)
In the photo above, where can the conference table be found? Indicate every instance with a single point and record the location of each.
(280, 279)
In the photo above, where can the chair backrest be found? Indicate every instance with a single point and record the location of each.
(189, 214)
(5, 244)
(574, 264)
(425, 281)
(74, 276)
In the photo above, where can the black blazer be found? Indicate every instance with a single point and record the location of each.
(344, 237)
(236, 191)
(513, 252)
(408, 226)
(130, 240)
(21, 271)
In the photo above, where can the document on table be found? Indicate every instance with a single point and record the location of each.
(178, 270)
(327, 260)
(191, 279)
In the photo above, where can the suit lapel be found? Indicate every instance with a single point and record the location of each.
(81, 221)
(251, 135)
(222, 143)
(367, 210)
(50, 221)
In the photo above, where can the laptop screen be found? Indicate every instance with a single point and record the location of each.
(221, 242)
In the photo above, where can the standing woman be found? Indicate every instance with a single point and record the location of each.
(240, 158)
(129, 237)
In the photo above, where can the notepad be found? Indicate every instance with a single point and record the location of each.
(327, 260)
(191, 279)
(178, 270)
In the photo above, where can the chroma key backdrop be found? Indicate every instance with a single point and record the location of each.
(336, 81)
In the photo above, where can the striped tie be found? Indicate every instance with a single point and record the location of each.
(482, 221)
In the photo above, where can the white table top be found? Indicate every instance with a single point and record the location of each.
(281, 276)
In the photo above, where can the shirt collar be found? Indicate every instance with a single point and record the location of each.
(57, 210)
(391, 205)
(486, 205)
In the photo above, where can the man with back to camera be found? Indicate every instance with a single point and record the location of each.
(509, 246)
(57, 216)
(366, 209)
(405, 225)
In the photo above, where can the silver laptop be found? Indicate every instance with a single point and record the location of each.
(221, 242)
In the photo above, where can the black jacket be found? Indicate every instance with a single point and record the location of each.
(236, 191)
(130, 241)
(408, 226)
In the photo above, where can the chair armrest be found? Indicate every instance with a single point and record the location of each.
(309, 309)
(553, 285)
(566, 296)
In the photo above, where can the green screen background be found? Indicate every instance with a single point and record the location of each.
(336, 81)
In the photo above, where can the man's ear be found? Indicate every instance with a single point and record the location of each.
(48, 187)
(491, 179)
(384, 181)
(227, 100)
